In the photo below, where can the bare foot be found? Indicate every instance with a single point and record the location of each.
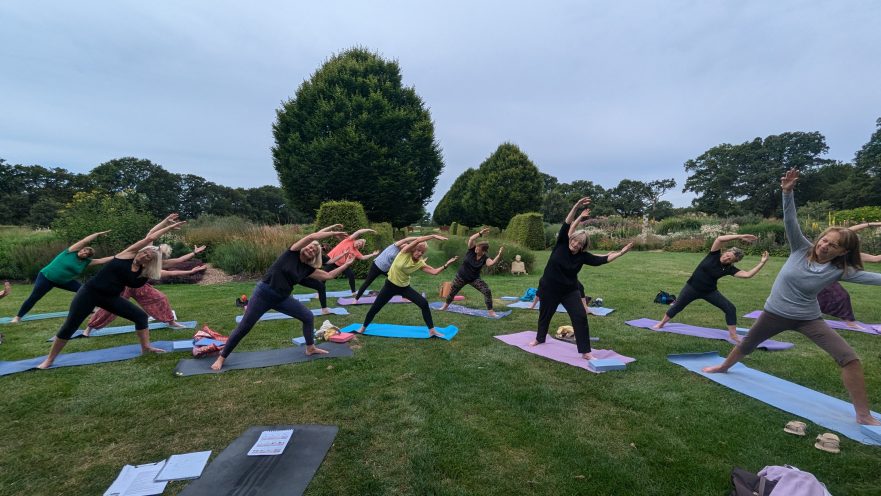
(360, 331)
(587, 356)
(325, 311)
(87, 332)
(534, 342)
(15, 320)
(314, 350)
(658, 325)
(175, 325)
(444, 307)
(45, 364)
(715, 370)
(493, 314)
(854, 325)
(434, 333)
(151, 349)
(218, 364)
(867, 420)
(735, 337)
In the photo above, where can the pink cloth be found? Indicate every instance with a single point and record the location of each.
(557, 350)
(153, 301)
(346, 244)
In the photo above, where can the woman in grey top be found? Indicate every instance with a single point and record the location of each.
(793, 305)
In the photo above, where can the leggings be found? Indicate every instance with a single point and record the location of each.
(388, 291)
(769, 325)
(478, 284)
(86, 299)
(317, 286)
(263, 299)
(715, 298)
(43, 285)
(372, 274)
(571, 301)
(349, 273)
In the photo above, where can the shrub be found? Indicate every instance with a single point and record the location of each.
(527, 230)
(461, 230)
(458, 246)
(642, 243)
(689, 245)
(242, 256)
(23, 252)
(855, 216)
(124, 214)
(454, 226)
(674, 224)
(771, 231)
(350, 214)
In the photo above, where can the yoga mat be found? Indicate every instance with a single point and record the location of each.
(835, 324)
(704, 332)
(233, 472)
(598, 311)
(259, 359)
(473, 312)
(109, 331)
(87, 357)
(826, 411)
(510, 298)
(329, 294)
(369, 300)
(280, 316)
(558, 351)
(35, 316)
(873, 431)
(402, 331)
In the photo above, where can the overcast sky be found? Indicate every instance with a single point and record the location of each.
(589, 90)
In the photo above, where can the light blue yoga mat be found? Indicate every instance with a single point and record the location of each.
(473, 312)
(35, 316)
(87, 357)
(280, 316)
(821, 409)
(598, 311)
(109, 331)
(402, 331)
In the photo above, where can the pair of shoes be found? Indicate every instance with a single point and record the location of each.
(827, 441)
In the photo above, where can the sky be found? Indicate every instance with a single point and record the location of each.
(600, 91)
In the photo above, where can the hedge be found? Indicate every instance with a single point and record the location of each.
(527, 230)
(856, 216)
(677, 224)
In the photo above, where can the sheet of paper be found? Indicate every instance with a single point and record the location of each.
(138, 480)
(184, 467)
(271, 443)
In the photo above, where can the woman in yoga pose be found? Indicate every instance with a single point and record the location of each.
(150, 299)
(62, 272)
(409, 260)
(319, 286)
(351, 246)
(469, 271)
(793, 305)
(559, 283)
(302, 260)
(834, 299)
(132, 267)
(382, 264)
(703, 282)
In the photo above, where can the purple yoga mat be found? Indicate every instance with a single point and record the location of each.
(369, 300)
(835, 324)
(557, 350)
(704, 332)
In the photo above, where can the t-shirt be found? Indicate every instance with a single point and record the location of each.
(65, 267)
(384, 261)
(116, 276)
(709, 271)
(286, 272)
(561, 271)
(346, 244)
(471, 265)
(402, 267)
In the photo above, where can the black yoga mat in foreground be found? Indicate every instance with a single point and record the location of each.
(233, 472)
(258, 359)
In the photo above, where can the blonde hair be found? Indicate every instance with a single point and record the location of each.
(153, 268)
(581, 235)
(316, 260)
(165, 250)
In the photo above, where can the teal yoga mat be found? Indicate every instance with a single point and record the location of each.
(35, 316)
(402, 331)
(87, 357)
(821, 409)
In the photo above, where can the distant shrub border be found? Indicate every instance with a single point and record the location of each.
(527, 230)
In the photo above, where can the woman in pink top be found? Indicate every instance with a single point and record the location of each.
(351, 244)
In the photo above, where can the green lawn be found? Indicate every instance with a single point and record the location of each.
(470, 416)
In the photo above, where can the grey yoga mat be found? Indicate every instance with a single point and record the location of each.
(259, 359)
(233, 472)
(86, 357)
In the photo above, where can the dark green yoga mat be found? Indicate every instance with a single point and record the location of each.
(258, 359)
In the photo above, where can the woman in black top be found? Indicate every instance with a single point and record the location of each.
(559, 283)
(469, 271)
(299, 262)
(702, 283)
(132, 267)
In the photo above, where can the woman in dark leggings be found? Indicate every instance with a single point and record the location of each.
(299, 262)
(349, 250)
(382, 264)
(319, 286)
(62, 272)
(559, 283)
(132, 268)
(703, 282)
(469, 271)
(411, 259)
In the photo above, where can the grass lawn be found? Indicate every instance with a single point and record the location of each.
(469, 416)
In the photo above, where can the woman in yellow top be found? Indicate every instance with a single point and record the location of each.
(398, 283)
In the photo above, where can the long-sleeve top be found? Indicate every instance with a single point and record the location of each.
(794, 293)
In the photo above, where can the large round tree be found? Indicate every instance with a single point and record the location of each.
(354, 132)
(509, 184)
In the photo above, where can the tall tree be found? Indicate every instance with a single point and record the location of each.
(353, 131)
(160, 187)
(868, 158)
(509, 184)
(451, 208)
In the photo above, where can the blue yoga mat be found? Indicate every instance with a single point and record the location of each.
(109, 331)
(473, 312)
(87, 357)
(599, 311)
(35, 316)
(821, 409)
(402, 331)
(280, 316)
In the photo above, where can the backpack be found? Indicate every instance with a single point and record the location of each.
(749, 484)
(665, 298)
(529, 295)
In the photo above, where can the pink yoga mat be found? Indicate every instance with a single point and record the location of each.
(558, 351)
(369, 300)
(835, 324)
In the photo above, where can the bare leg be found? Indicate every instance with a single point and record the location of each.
(444, 307)
(732, 333)
(144, 338)
(57, 346)
(433, 333)
(662, 323)
(732, 358)
(852, 376)
(314, 350)
(87, 332)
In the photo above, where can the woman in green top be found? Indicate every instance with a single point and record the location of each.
(62, 272)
